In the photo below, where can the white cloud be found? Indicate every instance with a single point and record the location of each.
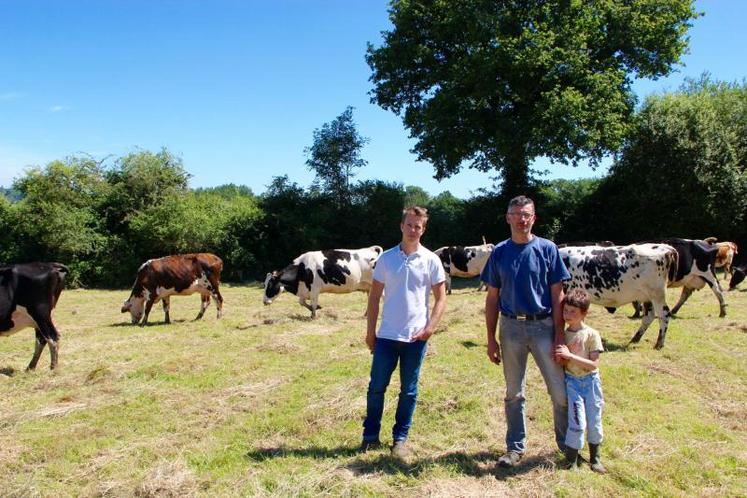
(9, 96)
(60, 108)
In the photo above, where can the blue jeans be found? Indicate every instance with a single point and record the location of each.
(517, 340)
(585, 402)
(385, 357)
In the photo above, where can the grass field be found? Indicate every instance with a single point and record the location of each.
(266, 402)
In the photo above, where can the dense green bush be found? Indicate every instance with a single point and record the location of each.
(682, 173)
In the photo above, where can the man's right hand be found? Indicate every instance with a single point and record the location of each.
(371, 342)
(494, 352)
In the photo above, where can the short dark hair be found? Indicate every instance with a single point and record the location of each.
(418, 211)
(578, 298)
(520, 201)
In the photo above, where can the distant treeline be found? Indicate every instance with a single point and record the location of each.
(683, 173)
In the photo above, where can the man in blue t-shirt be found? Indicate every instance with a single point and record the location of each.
(525, 277)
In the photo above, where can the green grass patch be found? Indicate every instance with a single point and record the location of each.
(267, 402)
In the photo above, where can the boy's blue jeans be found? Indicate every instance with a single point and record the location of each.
(585, 402)
(517, 340)
(385, 357)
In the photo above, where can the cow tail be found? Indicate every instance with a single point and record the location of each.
(672, 263)
(62, 272)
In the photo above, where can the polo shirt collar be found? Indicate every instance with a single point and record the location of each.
(418, 252)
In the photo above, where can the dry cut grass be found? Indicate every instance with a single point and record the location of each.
(267, 402)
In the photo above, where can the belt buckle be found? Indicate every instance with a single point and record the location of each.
(521, 318)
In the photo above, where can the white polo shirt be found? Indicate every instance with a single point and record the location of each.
(407, 283)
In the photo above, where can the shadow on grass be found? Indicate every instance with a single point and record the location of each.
(380, 461)
(149, 324)
(469, 344)
(9, 371)
(613, 346)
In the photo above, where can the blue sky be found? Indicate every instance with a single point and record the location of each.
(236, 88)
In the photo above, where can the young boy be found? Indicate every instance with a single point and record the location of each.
(583, 385)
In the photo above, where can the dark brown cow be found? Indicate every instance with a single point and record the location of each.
(28, 294)
(178, 275)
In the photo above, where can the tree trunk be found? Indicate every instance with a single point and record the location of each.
(515, 176)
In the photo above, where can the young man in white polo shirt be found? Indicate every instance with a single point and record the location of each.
(408, 272)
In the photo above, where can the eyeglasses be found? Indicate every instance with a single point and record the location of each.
(523, 216)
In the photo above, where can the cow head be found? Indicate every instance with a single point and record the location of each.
(273, 287)
(737, 277)
(136, 306)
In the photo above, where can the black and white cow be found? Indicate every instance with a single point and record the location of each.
(464, 261)
(28, 294)
(618, 275)
(178, 275)
(338, 271)
(696, 268)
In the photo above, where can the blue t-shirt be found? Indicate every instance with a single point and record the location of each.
(524, 274)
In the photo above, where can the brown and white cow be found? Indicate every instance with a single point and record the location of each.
(179, 275)
(338, 271)
(618, 275)
(463, 261)
(28, 294)
(725, 256)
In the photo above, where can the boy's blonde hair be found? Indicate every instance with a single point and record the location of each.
(578, 298)
(418, 211)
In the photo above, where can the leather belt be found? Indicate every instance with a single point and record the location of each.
(523, 317)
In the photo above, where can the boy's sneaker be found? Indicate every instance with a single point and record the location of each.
(510, 459)
(369, 446)
(400, 450)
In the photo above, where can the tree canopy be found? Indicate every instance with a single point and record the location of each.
(684, 168)
(497, 84)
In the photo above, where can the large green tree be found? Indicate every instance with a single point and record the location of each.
(684, 170)
(335, 154)
(496, 84)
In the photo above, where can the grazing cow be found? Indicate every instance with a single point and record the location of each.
(618, 275)
(738, 276)
(28, 294)
(464, 261)
(178, 275)
(696, 268)
(335, 270)
(725, 256)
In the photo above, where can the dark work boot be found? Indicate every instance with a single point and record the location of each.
(594, 460)
(571, 458)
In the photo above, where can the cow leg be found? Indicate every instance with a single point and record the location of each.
(314, 305)
(686, 292)
(148, 306)
(218, 301)
(38, 348)
(46, 334)
(448, 283)
(166, 305)
(663, 311)
(637, 308)
(306, 305)
(716, 288)
(215, 292)
(648, 317)
(204, 303)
